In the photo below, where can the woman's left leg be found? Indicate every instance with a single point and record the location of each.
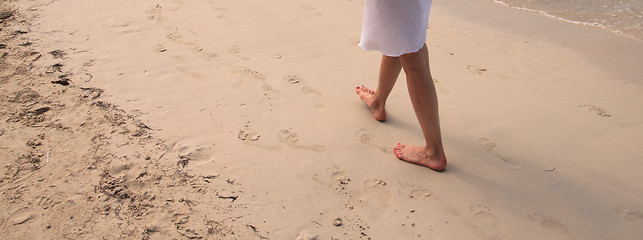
(390, 69)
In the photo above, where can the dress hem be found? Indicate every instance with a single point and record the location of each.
(392, 54)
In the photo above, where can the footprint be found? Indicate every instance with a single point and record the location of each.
(374, 183)
(314, 94)
(490, 146)
(376, 194)
(193, 46)
(340, 176)
(220, 12)
(250, 75)
(289, 137)
(420, 193)
(366, 138)
(252, 138)
(484, 215)
(549, 225)
(209, 55)
(248, 135)
(477, 70)
(599, 111)
(309, 91)
(305, 235)
(485, 220)
(333, 177)
(629, 214)
(174, 36)
(234, 50)
(154, 13)
(487, 144)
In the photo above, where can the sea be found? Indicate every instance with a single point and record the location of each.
(624, 17)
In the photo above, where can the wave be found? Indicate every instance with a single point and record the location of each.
(582, 23)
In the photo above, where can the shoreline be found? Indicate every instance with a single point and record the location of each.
(595, 25)
(587, 41)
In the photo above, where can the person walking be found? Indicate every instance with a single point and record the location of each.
(398, 30)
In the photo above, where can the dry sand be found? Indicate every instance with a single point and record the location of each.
(238, 120)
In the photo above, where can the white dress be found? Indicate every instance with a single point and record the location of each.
(395, 27)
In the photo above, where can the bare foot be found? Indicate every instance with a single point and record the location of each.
(367, 95)
(420, 156)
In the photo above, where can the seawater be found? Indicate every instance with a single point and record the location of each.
(623, 17)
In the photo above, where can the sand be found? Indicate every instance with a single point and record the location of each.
(238, 120)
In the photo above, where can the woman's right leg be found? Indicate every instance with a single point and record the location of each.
(425, 103)
(390, 69)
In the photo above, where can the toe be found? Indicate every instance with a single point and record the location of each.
(397, 152)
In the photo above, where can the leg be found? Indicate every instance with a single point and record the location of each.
(376, 100)
(425, 104)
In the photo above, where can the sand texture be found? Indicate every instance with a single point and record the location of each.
(175, 119)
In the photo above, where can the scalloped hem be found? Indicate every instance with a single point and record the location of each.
(392, 53)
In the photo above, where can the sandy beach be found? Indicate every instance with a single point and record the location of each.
(174, 119)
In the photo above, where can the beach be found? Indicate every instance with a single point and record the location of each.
(174, 119)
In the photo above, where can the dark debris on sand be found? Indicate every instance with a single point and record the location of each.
(77, 167)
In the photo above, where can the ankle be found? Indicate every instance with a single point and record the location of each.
(378, 102)
(435, 152)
